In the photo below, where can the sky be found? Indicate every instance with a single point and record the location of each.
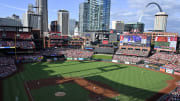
(128, 11)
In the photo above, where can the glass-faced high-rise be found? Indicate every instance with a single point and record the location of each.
(83, 17)
(99, 15)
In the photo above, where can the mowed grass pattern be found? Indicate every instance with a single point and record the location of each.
(133, 83)
(99, 56)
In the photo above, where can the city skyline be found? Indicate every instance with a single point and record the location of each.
(127, 11)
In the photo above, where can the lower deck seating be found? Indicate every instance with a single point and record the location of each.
(131, 59)
(7, 66)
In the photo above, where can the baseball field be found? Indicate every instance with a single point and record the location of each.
(83, 81)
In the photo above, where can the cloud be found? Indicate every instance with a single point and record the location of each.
(124, 15)
(13, 7)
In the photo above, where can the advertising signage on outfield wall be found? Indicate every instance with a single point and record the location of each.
(166, 43)
(135, 40)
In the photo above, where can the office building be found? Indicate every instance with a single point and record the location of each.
(99, 15)
(160, 22)
(54, 26)
(72, 25)
(83, 17)
(63, 22)
(10, 21)
(42, 11)
(14, 20)
(134, 27)
(76, 31)
(118, 26)
(30, 18)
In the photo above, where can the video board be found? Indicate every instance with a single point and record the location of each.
(135, 40)
(166, 43)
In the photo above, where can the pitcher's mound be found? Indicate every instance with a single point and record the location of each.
(60, 94)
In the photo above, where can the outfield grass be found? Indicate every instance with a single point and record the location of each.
(99, 56)
(133, 83)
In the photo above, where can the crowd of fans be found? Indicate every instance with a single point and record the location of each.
(71, 53)
(7, 66)
(174, 95)
(12, 35)
(131, 59)
(29, 58)
(170, 66)
(132, 52)
(167, 57)
(19, 44)
(25, 36)
(54, 52)
(171, 61)
(57, 36)
(153, 61)
(76, 53)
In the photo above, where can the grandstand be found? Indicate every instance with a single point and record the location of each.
(15, 46)
(76, 53)
(76, 42)
(133, 48)
(7, 67)
(133, 51)
(170, 62)
(55, 39)
(128, 59)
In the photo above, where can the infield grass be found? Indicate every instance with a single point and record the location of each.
(73, 93)
(133, 83)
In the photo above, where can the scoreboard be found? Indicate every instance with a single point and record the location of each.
(166, 43)
(135, 40)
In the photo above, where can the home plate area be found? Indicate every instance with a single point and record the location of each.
(97, 91)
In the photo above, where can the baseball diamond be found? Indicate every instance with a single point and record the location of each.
(85, 81)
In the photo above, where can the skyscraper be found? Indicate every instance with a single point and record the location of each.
(53, 26)
(30, 18)
(63, 22)
(118, 25)
(99, 15)
(42, 11)
(83, 17)
(72, 25)
(160, 21)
